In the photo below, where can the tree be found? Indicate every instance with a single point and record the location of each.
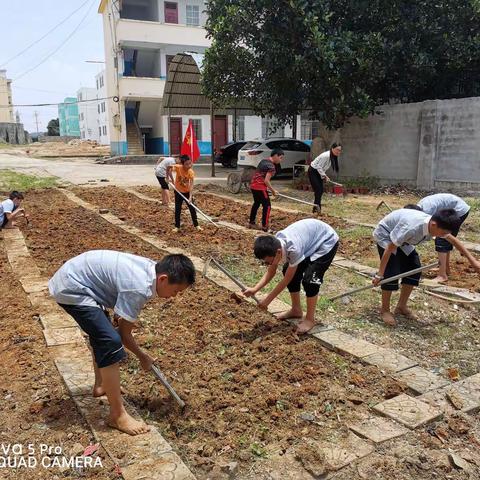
(53, 127)
(339, 58)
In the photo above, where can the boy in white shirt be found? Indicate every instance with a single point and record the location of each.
(431, 205)
(307, 249)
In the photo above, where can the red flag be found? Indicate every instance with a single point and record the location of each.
(190, 145)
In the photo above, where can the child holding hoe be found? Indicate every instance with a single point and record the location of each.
(306, 248)
(396, 236)
(99, 279)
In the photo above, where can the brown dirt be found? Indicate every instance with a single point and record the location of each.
(35, 407)
(245, 377)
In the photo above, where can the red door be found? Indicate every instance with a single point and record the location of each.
(171, 12)
(175, 136)
(220, 133)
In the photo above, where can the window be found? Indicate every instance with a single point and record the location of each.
(104, 129)
(103, 106)
(97, 83)
(101, 82)
(98, 108)
(100, 131)
(193, 15)
(269, 129)
(171, 12)
(309, 129)
(240, 130)
(81, 116)
(79, 97)
(197, 128)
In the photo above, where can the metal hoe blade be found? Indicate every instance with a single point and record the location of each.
(157, 372)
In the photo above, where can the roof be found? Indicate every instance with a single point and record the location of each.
(183, 91)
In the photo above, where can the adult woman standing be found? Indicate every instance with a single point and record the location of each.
(317, 172)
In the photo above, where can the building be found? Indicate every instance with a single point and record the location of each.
(87, 113)
(103, 126)
(6, 103)
(68, 118)
(141, 38)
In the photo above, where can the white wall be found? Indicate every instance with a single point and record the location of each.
(87, 114)
(102, 127)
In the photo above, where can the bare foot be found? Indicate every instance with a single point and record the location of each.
(440, 279)
(305, 326)
(290, 314)
(125, 423)
(98, 391)
(406, 312)
(389, 319)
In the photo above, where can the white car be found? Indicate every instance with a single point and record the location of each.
(254, 151)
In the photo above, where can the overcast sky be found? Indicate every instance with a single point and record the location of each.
(25, 22)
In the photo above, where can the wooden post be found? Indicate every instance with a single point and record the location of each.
(212, 136)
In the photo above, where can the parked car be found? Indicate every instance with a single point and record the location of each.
(228, 154)
(253, 152)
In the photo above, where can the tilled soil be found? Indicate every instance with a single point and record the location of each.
(35, 407)
(247, 379)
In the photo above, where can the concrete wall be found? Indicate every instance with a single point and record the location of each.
(429, 145)
(6, 113)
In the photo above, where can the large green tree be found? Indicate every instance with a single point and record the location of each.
(53, 127)
(338, 58)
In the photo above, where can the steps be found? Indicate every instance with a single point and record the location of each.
(135, 144)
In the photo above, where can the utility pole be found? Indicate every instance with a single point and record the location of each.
(36, 121)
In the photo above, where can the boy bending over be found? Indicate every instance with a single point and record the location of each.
(306, 248)
(99, 279)
(9, 210)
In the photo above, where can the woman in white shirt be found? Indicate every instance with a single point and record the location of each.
(317, 172)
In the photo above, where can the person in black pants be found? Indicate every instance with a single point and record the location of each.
(260, 187)
(317, 172)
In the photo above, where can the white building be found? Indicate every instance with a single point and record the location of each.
(87, 113)
(141, 37)
(102, 106)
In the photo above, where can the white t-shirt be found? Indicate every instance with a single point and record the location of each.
(161, 168)
(7, 206)
(433, 203)
(404, 228)
(306, 238)
(322, 163)
(117, 280)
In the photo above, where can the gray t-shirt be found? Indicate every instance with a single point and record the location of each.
(404, 228)
(440, 201)
(306, 238)
(106, 278)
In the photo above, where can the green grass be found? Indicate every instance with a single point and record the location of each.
(10, 180)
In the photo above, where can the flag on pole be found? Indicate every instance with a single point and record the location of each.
(190, 145)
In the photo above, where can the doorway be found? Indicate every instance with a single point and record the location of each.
(175, 136)
(220, 134)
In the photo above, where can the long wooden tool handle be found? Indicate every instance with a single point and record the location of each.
(386, 280)
(157, 372)
(236, 281)
(193, 205)
(335, 183)
(297, 200)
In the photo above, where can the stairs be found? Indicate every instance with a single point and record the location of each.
(135, 144)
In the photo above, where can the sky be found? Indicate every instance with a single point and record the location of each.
(24, 22)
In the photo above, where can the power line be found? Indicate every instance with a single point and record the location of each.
(44, 36)
(59, 47)
(57, 104)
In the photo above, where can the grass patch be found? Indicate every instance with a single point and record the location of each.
(10, 180)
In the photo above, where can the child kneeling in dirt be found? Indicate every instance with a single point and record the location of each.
(9, 210)
(99, 279)
(184, 177)
(307, 249)
(396, 236)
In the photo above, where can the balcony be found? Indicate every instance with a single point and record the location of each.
(141, 88)
(138, 33)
